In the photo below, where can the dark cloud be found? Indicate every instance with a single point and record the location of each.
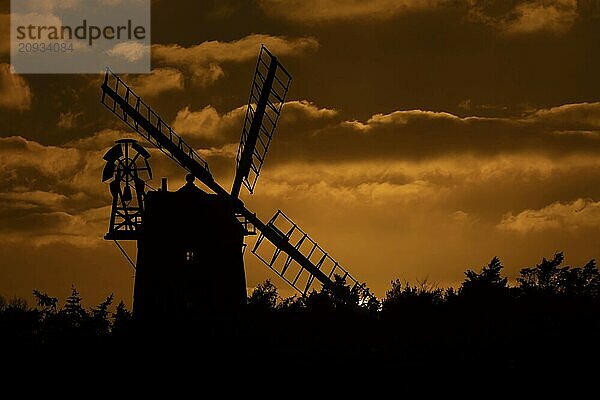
(307, 132)
(15, 93)
(159, 81)
(324, 11)
(525, 17)
(203, 62)
(4, 34)
(419, 134)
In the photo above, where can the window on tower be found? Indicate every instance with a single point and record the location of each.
(189, 256)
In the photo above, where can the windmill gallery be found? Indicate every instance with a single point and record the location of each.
(181, 269)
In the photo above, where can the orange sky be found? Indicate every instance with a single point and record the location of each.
(420, 138)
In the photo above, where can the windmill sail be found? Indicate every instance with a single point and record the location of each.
(131, 109)
(286, 265)
(267, 96)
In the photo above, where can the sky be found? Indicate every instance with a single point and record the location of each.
(419, 138)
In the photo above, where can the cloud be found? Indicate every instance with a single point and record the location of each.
(35, 17)
(160, 80)
(4, 33)
(309, 133)
(48, 6)
(204, 61)
(405, 164)
(462, 217)
(129, 51)
(228, 151)
(15, 93)
(47, 228)
(112, 2)
(421, 134)
(99, 140)
(579, 213)
(447, 175)
(403, 118)
(526, 17)
(234, 51)
(18, 153)
(68, 120)
(442, 203)
(306, 109)
(28, 166)
(208, 124)
(32, 199)
(330, 184)
(444, 209)
(53, 194)
(569, 116)
(577, 115)
(585, 133)
(553, 17)
(330, 10)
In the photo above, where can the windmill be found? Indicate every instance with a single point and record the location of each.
(211, 225)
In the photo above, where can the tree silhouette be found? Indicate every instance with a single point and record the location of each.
(99, 321)
(292, 304)
(49, 304)
(73, 312)
(264, 297)
(585, 281)
(17, 321)
(341, 297)
(550, 318)
(367, 300)
(582, 282)
(17, 304)
(401, 298)
(487, 285)
(549, 278)
(122, 320)
(546, 277)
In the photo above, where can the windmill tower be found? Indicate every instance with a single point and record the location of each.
(191, 241)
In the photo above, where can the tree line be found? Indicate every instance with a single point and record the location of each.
(549, 286)
(550, 318)
(549, 283)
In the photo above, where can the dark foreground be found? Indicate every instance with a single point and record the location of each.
(548, 324)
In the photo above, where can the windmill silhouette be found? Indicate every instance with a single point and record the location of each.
(190, 242)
